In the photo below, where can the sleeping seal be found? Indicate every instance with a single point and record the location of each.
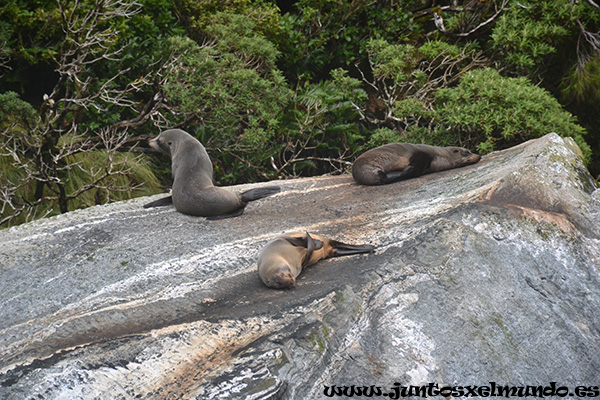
(398, 161)
(193, 190)
(282, 260)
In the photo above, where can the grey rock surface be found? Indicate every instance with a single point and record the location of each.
(488, 273)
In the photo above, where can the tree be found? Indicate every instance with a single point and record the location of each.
(440, 94)
(275, 94)
(490, 112)
(229, 93)
(46, 150)
(556, 43)
(320, 131)
(320, 35)
(402, 74)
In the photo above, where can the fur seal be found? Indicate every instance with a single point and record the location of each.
(194, 192)
(281, 260)
(398, 161)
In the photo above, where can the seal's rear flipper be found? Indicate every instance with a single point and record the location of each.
(165, 201)
(259, 193)
(343, 249)
(236, 213)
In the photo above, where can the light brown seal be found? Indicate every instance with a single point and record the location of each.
(193, 190)
(281, 260)
(398, 161)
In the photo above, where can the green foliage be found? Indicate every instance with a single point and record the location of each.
(537, 38)
(404, 81)
(325, 34)
(35, 29)
(199, 16)
(357, 74)
(395, 62)
(524, 41)
(240, 36)
(145, 33)
(350, 87)
(412, 112)
(229, 89)
(434, 48)
(51, 159)
(491, 112)
(141, 39)
(5, 50)
(237, 105)
(220, 90)
(321, 131)
(141, 181)
(13, 110)
(410, 108)
(582, 83)
(382, 136)
(402, 71)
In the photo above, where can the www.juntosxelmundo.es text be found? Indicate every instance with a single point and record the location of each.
(492, 389)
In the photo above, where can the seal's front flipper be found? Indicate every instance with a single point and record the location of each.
(395, 176)
(343, 249)
(306, 242)
(165, 201)
(303, 242)
(419, 162)
(236, 213)
(310, 247)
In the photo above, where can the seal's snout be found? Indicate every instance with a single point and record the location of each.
(467, 158)
(285, 280)
(154, 144)
(474, 158)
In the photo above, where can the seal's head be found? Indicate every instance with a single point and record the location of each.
(168, 140)
(462, 156)
(451, 157)
(283, 278)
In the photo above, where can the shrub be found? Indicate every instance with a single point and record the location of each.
(230, 98)
(489, 111)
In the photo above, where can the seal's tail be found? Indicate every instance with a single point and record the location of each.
(259, 193)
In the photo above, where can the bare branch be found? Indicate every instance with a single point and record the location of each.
(593, 4)
(443, 70)
(439, 21)
(45, 155)
(592, 40)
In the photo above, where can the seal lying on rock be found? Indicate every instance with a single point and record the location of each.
(398, 161)
(282, 260)
(193, 190)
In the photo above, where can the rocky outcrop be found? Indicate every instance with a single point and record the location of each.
(488, 273)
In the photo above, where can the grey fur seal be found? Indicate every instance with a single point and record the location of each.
(194, 192)
(281, 260)
(398, 161)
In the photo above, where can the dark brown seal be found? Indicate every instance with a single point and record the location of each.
(282, 260)
(193, 190)
(398, 161)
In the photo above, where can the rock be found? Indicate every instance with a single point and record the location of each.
(487, 273)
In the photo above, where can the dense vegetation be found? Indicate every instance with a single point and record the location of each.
(277, 89)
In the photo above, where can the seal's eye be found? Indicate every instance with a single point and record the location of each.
(169, 144)
(455, 150)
